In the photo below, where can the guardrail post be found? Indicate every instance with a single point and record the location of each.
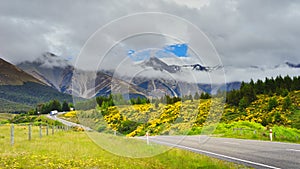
(29, 132)
(12, 134)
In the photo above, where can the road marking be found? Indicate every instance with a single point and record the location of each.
(231, 143)
(215, 154)
(293, 150)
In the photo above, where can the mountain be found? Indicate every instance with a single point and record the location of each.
(58, 73)
(20, 91)
(158, 64)
(51, 70)
(12, 75)
(160, 87)
(292, 65)
(89, 84)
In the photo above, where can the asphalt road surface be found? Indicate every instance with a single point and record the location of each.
(68, 123)
(254, 153)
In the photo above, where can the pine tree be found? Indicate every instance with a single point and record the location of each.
(65, 106)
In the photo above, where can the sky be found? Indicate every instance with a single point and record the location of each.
(252, 38)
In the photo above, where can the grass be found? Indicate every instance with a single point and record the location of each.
(5, 117)
(69, 149)
(252, 130)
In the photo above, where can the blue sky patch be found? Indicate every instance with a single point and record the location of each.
(178, 50)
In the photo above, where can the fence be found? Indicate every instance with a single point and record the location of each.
(32, 131)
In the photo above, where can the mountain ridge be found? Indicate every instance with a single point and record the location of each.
(12, 75)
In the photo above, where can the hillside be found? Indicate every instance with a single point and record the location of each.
(10, 106)
(186, 116)
(20, 91)
(30, 94)
(12, 75)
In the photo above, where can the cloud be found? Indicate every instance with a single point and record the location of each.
(244, 32)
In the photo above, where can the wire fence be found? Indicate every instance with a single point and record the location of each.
(21, 132)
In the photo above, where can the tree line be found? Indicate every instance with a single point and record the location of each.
(45, 108)
(270, 86)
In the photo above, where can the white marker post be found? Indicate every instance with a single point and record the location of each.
(147, 137)
(271, 135)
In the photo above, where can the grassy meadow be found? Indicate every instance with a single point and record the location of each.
(71, 149)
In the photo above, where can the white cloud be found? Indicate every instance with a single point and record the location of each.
(244, 32)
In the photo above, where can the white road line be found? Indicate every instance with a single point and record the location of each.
(215, 154)
(293, 150)
(231, 143)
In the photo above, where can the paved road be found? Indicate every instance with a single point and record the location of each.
(257, 154)
(68, 123)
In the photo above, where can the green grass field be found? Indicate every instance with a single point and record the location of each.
(252, 130)
(70, 149)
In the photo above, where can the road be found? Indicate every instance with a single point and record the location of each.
(68, 123)
(254, 153)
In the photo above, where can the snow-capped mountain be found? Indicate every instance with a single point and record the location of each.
(52, 70)
(158, 64)
(59, 74)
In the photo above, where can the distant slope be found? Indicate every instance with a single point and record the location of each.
(12, 75)
(9, 106)
(31, 93)
(20, 91)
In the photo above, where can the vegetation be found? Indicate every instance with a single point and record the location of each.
(181, 116)
(27, 119)
(71, 149)
(248, 91)
(10, 106)
(28, 95)
(251, 130)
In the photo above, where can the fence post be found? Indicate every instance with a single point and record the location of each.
(29, 132)
(47, 128)
(12, 134)
(40, 131)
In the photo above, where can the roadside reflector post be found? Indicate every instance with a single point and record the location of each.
(52, 130)
(271, 135)
(12, 134)
(115, 132)
(147, 137)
